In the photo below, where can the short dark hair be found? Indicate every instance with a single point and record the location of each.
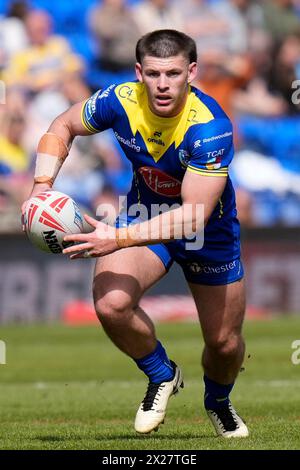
(166, 43)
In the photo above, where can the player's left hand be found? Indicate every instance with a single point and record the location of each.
(100, 242)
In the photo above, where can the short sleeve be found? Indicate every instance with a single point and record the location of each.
(98, 111)
(211, 148)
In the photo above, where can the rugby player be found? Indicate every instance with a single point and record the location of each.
(180, 144)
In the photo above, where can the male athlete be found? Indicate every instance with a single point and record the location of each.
(179, 142)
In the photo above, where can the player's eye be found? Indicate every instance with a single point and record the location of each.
(174, 73)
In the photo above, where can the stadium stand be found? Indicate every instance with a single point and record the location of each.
(260, 85)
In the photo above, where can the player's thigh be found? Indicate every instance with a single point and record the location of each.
(123, 276)
(221, 310)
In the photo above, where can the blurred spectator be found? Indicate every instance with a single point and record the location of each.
(158, 14)
(249, 56)
(93, 171)
(286, 69)
(220, 75)
(242, 18)
(244, 206)
(116, 32)
(43, 64)
(203, 24)
(296, 6)
(258, 100)
(15, 181)
(74, 88)
(13, 36)
(13, 157)
(275, 191)
(280, 18)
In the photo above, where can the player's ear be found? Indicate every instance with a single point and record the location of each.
(192, 73)
(138, 72)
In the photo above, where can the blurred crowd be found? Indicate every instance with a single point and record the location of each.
(54, 54)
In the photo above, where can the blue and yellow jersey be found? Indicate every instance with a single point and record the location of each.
(161, 149)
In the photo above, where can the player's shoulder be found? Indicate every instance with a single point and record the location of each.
(104, 94)
(216, 126)
(207, 101)
(121, 95)
(112, 97)
(101, 98)
(122, 91)
(216, 120)
(129, 93)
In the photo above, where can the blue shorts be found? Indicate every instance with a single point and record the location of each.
(197, 269)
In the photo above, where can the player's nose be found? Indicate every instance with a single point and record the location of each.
(162, 83)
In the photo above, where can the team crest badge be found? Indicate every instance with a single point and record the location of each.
(184, 157)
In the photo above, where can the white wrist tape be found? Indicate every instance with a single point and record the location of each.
(51, 153)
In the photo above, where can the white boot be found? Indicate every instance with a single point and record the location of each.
(152, 410)
(227, 422)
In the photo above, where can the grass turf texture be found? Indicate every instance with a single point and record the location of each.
(70, 388)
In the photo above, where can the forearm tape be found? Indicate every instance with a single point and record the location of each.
(51, 153)
(124, 239)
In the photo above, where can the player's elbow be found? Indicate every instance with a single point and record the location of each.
(61, 124)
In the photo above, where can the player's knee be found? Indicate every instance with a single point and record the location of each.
(226, 346)
(114, 307)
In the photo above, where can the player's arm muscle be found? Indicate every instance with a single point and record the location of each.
(197, 192)
(54, 146)
(69, 124)
(200, 195)
(204, 190)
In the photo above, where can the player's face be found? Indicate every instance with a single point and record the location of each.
(166, 81)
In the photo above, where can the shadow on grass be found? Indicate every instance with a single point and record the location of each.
(127, 437)
(153, 437)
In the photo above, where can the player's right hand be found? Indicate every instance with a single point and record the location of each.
(37, 188)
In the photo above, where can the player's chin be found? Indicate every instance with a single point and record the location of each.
(164, 108)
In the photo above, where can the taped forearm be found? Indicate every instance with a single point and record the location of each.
(159, 229)
(124, 239)
(51, 153)
(185, 221)
(133, 236)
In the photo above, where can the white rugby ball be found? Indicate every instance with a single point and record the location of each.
(49, 216)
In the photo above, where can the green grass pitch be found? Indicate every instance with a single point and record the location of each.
(70, 388)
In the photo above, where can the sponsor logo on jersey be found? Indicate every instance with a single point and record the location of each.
(198, 268)
(131, 143)
(217, 137)
(184, 157)
(214, 161)
(160, 182)
(127, 92)
(197, 144)
(157, 141)
(90, 107)
(212, 156)
(105, 93)
(193, 116)
(214, 166)
(157, 134)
